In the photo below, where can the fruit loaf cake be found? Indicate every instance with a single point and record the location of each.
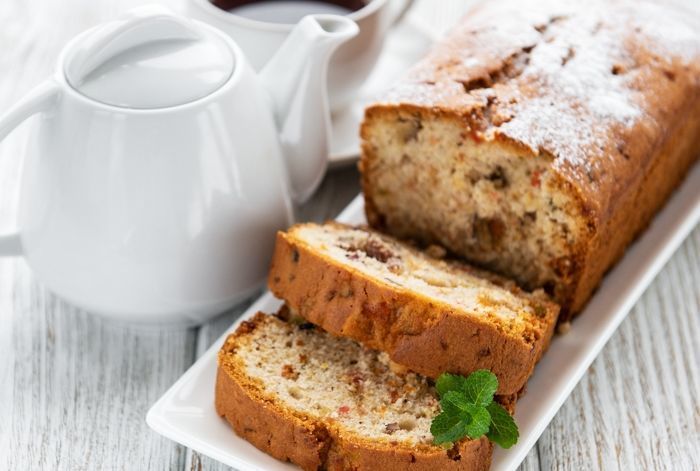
(540, 137)
(324, 402)
(428, 314)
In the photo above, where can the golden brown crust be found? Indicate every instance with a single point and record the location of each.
(609, 91)
(425, 335)
(313, 445)
(257, 419)
(346, 455)
(636, 206)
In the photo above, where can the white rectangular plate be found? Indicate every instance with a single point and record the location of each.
(186, 412)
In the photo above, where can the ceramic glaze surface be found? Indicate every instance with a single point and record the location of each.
(171, 60)
(172, 217)
(168, 214)
(350, 64)
(288, 12)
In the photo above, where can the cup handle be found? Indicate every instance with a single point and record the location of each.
(400, 10)
(38, 100)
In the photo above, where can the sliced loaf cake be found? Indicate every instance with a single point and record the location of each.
(430, 315)
(540, 137)
(324, 402)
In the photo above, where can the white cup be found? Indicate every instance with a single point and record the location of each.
(350, 64)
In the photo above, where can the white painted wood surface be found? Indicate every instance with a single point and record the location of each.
(74, 389)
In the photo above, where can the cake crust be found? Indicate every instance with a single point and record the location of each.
(425, 335)
(315, 444)
(605, 94)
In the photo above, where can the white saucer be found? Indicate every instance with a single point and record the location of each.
(404, 46)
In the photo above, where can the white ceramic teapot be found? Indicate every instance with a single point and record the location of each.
(162, 165)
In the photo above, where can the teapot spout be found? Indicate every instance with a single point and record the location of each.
(295, 79)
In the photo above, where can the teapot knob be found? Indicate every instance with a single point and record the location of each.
(149, 58)
(139, 26)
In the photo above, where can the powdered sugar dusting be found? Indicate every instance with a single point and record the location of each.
(567, 78)
(578, 96)
(672, 28)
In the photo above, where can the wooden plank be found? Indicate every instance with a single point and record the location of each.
(531, 461)
(637, 407)
(74, 389)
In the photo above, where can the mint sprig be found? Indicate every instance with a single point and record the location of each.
(468, 410)
(503, 429)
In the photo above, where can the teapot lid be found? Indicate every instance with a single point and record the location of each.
(149, 59)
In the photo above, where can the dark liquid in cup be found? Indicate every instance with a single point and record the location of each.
(287, 11)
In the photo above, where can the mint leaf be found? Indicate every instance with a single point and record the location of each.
(447, 428)
(454, 403)
(449, 382)
(467, 421)
(480, 386)
(473, 420)
(480, 420)
(468, 410)
(503, 430)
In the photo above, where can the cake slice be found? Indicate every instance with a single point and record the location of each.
(430, 315)
(324, 402)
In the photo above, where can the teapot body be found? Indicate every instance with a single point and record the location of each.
(155, 215)
(162, 166)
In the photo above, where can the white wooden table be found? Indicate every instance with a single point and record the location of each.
(74, 389)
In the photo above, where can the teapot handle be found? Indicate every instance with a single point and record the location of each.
(40, 99)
